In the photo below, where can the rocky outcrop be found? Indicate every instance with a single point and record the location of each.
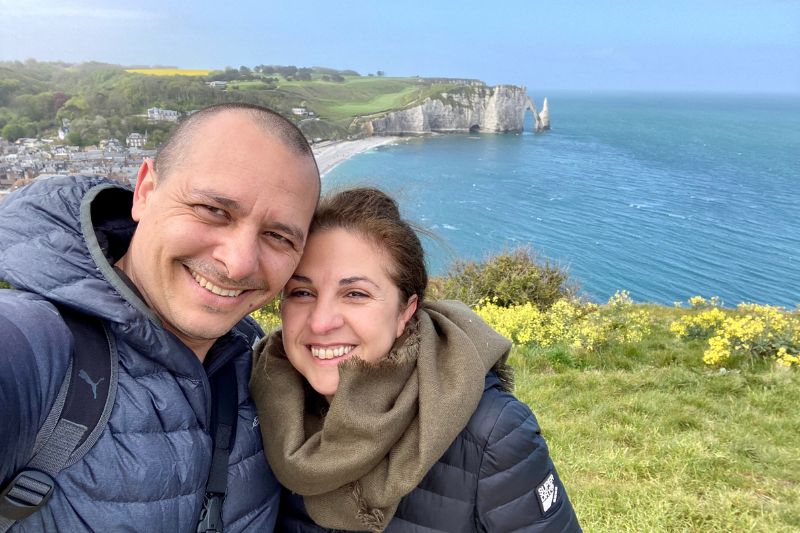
(544, 116)
(464, 108)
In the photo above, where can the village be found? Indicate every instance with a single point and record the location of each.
(27, 159)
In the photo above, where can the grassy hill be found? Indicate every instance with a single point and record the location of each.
(103, 100)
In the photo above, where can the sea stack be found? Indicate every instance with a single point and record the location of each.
(544, 116)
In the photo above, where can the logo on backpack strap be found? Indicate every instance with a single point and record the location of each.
(85, 377)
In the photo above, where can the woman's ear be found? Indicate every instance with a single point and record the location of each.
(407, 313)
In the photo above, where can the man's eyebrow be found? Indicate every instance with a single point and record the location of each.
(224, 201)
(232, 205)
(298, 234)
(301, 279)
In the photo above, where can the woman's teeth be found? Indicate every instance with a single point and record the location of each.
(330, 353)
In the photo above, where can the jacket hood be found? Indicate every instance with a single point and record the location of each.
(56, 237)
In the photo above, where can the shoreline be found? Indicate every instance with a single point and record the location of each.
(330, 154)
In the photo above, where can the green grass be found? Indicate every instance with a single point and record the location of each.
(250, 85)
(340, 102)
(648, 439)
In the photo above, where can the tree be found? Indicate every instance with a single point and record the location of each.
(12, 131)
(381, 73)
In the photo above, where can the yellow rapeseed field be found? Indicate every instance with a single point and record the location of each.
(169, 71)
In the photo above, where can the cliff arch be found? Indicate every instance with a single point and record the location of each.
(537, 121)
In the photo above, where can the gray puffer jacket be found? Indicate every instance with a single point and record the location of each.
(497, 476)
(148, 470)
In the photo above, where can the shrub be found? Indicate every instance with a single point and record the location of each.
(268, 316)
(509, 279)
(4, 285)
(618, 322)
(525, 324)
(752, 332)
(570, 322)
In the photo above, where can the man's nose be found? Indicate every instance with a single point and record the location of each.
(325, 317)
(238, 251)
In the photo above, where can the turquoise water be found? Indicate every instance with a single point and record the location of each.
(665, 196)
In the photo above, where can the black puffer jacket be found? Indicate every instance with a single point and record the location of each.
(496, 476)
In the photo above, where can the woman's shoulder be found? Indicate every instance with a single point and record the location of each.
(498, 415)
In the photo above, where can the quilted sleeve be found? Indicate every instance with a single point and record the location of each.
(518, 486)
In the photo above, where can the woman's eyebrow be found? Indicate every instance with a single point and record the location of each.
(356, 279)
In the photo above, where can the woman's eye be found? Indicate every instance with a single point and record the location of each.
(299, 293)
(357, 294)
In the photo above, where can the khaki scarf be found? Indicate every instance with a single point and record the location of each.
(389, 422)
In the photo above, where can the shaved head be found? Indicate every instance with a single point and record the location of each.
(273, 124)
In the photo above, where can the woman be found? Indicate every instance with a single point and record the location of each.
(381, 412)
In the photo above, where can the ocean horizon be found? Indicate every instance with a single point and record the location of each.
(666, 196)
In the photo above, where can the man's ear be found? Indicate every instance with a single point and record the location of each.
(408, 312)
(145, 183)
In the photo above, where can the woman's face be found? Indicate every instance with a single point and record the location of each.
(340, 303)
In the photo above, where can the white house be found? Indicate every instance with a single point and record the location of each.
(136, 140)
(156, 113)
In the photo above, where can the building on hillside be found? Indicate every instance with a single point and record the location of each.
(111, 145)
(218, 84)
(301, 111)
(136, 140)
(156, 113)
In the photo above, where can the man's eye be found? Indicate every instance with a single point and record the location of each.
(213, 211)
(279, 238)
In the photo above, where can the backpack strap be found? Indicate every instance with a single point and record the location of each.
(224, 411)
(75, 422)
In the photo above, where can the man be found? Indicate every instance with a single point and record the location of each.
(214, 228)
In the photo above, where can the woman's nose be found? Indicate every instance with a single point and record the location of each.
(325, 317)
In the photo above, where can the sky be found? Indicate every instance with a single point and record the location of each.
(578, 45)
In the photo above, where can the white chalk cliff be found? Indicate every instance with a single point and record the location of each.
(464, 108)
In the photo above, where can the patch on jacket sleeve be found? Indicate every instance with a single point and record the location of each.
(548, 493)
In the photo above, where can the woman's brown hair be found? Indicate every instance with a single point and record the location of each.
(375, 215)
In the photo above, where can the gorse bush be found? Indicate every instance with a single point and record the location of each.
(583, 326)
(749, 333)
(508, 279)
(268, 316)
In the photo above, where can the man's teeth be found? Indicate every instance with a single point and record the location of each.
(203, 282)
(330, 353)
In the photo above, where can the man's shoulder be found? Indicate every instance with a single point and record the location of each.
(30, 324)
(33, 363)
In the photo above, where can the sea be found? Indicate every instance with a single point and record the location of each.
(665, 196)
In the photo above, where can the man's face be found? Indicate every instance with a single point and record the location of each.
(220, 234)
